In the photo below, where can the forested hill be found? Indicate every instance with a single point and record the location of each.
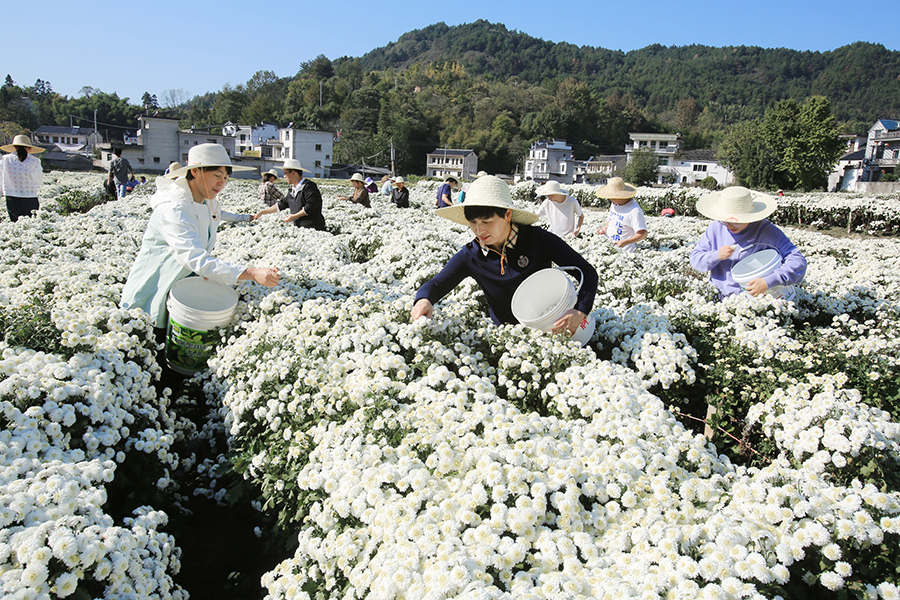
(862, 80)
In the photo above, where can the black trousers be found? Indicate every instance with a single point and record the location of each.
(20, 207)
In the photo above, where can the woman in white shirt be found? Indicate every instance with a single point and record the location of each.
(181, 234)
(21, 177)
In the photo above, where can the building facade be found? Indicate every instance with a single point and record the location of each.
(882, 149)
(548, 161)
(67, 139)
(159, 142)
(452, 162)
(690, 167)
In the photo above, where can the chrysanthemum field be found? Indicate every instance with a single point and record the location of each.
(451, 458)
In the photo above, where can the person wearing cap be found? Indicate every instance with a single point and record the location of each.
(181, 234)
(387, 185)
(267, 192)
(507, 249)
(739, 229)
(370, 185)
(444, 196)
(304, 200)
(360, 194)
(626, 225)
(400, 195)
(21, 177)
(562, 211)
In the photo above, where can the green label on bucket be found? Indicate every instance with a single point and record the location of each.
(188, 349)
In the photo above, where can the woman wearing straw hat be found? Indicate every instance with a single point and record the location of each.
(21, 177)
(505, 251)
(360, 194)
(740, 228)
(561, 210)
(181, 234)
(400, 194)
(267, 192)
(304, 200)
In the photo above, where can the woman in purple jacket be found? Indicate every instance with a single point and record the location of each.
(739, 229)
(507, 249)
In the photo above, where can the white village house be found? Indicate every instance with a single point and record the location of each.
(452, 162)
(550, 161)
(159, 142)
(867, 159)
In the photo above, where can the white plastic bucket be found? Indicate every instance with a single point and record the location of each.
(760, 264)
(197, 307)
(544, 297)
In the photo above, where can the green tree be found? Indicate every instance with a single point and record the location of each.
(791, 147)
(642, 168)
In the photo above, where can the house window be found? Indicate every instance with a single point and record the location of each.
(701, 168)
(327, 157)
(141, 160)
(155, 159)
(663, 162)
(318, 147)
(318, 163)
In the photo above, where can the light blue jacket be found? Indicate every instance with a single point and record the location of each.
(178, 241)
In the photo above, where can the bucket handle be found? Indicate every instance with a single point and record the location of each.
(580, 276)
(740, 248)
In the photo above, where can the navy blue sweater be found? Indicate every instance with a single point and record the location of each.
(535, 249)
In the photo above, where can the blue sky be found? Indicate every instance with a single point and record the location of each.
(199, 46)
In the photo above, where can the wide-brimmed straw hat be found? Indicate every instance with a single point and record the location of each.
(551, 188)
(294, 165)
(357, 177)
(271, 172)
(480, 174)
(736, 204)
(616, 188)
(487, 191)
(206, 155)
(398, 179)
(173, 166)
(22, 140)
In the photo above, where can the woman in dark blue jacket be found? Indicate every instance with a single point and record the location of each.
(505, 251)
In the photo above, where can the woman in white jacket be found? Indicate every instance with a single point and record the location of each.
(181, 234)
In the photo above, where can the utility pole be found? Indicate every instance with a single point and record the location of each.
(393, 167)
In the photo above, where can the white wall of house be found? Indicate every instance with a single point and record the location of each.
(551, 160)
(313, 148)
(452, 162)
(158, 141)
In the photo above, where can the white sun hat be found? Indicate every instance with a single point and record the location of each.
(206, 155)
(398, 179)
(487, 191)
(616, 188)
(357, 177)
(293, 164)
(551, 188)
(736, 204)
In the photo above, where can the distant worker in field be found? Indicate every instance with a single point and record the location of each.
(400, 194)
(119, 169)
(304, 200)
(626, 225)
(360, 194)
(21, 177)
(562, 211)
(267, 192)
(740, 228)
(371, 186)
(387, 185)
(444, 196)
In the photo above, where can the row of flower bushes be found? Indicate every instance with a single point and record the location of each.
(450, 458)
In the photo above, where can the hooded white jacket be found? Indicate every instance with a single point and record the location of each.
(178, 241)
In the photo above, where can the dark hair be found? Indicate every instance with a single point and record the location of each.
(117, 151)
(453, 179)
(483, 212)
(22, 153)
(189, 175)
